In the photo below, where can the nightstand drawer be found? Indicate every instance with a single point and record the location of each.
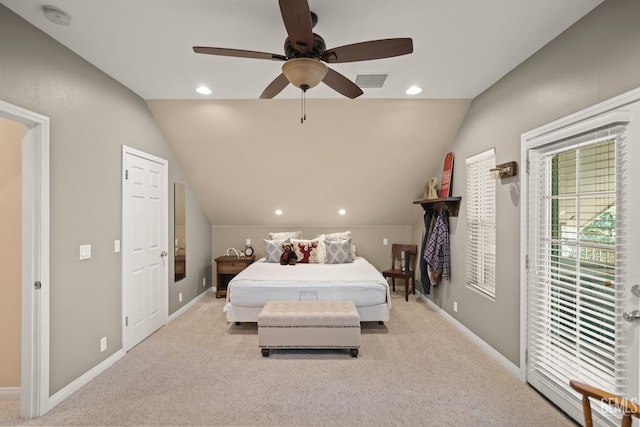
(231, 267)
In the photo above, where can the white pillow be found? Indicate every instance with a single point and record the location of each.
(274, 250)
(343, 235)
(286, 235)
(322, 250)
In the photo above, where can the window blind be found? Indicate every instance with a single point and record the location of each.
(481, 223)
(576, 283)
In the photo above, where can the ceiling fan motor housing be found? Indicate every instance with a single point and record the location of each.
(316, 51)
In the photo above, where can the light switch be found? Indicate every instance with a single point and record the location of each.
(85, 252)
(248, 242)
(385, 241)
(116, 246)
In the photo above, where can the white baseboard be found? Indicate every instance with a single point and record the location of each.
(9, 393)
(188, 305)
(506, 363)
(84, 379)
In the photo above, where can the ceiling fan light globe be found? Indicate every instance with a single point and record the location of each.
(304, 72)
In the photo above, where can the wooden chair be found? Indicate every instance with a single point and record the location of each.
(408, 274)
(626, 407)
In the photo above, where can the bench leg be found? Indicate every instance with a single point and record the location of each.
(265, 352)
(354, 352)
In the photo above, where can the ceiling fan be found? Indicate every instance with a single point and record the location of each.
(305, 54)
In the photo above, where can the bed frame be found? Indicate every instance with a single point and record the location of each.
(372, 313)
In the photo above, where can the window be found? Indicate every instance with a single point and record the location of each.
(481, 223)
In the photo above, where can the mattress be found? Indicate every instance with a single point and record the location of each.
(358, 281)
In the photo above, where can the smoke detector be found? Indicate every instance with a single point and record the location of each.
(56, 15)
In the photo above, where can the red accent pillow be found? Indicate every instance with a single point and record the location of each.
(305, 251)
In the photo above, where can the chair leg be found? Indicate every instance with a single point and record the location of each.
(586, 409)
(406, 289)
(393, 283)
(413, 281)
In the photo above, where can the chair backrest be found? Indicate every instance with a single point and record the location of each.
(624, 406)
(396, 253)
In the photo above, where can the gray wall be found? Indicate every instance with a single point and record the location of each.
(92, 116)
(595, 59)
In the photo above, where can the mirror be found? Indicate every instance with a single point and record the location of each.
(179, 231)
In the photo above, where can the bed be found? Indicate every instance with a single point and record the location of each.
(358, 281)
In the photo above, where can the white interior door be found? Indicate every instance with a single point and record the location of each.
(144, 245)
(581, 252)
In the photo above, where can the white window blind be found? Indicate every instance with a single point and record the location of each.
(576, 285)
(481, 223)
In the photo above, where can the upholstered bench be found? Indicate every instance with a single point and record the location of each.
(309, 324)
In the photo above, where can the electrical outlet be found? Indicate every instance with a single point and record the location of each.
(385, 241)
(204, 282)
(116, 246)
(455, 306)
(180, 297)
(248, 242)
(103, 344)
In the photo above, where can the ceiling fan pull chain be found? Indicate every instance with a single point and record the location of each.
(303, 106)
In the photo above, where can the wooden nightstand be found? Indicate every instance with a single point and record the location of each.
(226, 269)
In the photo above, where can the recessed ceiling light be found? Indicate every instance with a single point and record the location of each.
(56, 15)
(413, 90)
(203, 90)
(342, 212)
(278, 211)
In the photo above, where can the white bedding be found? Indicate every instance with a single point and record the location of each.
(359, 282)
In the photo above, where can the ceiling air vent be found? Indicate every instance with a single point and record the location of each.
(370, 80)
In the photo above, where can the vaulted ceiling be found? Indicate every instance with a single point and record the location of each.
(246, 157)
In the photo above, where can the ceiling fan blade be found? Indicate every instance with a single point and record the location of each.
(374, 49)
(275, 87)
(341, 84)
(220, 51)
(297, 20)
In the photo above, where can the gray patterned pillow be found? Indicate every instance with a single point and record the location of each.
(273, 249)
(338, 251)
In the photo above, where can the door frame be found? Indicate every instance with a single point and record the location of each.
(165, 225)
(556, 130)
(34, 387)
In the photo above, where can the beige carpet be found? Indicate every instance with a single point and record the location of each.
(416, 370)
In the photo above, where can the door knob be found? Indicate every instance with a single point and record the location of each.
(630, 316)
(635, 290)
(163, 254)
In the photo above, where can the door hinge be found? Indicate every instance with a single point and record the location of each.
(527, 166)
(126, 321)
(526, 262)
(37, 285)
(526, 356)
(126, 174)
